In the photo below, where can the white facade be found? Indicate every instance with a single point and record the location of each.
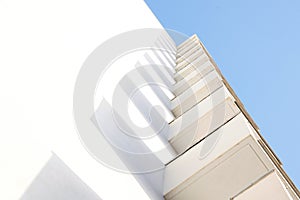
(214, 149)
(43, 46)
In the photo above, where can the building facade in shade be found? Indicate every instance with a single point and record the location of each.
(208, 147)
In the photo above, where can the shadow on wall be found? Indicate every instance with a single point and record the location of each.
(57, 181)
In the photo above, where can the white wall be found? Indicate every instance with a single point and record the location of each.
(42, 46)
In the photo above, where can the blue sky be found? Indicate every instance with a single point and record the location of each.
(257, 46)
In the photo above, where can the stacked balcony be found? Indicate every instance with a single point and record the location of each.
(220, 151)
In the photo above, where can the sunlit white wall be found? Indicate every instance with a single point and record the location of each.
(42, 46)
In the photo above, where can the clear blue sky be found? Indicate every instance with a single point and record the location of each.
(257, 46)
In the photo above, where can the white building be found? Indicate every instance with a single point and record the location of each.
(210, 147)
